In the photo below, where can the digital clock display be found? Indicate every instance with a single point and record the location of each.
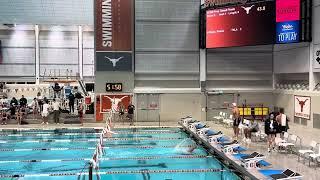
(114, 87)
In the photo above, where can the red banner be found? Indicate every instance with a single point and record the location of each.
(112, 102)
(113, 25)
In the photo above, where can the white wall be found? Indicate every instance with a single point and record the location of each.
(291, 58)
(175, 106)
(58, 49)
(18, 50)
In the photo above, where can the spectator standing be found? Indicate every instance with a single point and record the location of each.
(236, 120)
(40, 101)
(56, 111)
(45, 113)
(271, 129)
(121, 111)
(35, 107)
(282, 120)
(71, 103)
(131, 113)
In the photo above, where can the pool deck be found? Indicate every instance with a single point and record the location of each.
(235, 163)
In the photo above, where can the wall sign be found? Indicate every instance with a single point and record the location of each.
(287, 10)
(288, 21)
(318, 56)
(111, 102)
(113, 35)
(302, 106)
(113, 87)
(288, 32)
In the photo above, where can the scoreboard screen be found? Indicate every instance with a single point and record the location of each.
(242, 25)
(288, 21)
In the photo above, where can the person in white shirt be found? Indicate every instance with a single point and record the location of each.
(45, 112)
(34, 106)
(56, 111)
(282, 120)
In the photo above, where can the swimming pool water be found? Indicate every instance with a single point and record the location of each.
(138, 154)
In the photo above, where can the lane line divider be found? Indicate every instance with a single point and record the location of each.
(119, 172)
(89, 148)
(86, 140)
(112, 159)
(85, 133)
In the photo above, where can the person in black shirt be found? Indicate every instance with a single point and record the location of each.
(57, 90)
(12, 111)
(23, 101)
(14, 102)
(271, 129)
(130, 113)
(71, 102)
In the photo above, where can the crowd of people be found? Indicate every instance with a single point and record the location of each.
(14, 110)
(40, 106)
(274, 126)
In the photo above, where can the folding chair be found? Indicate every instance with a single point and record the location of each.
(290, 144)
(228, 122)
(314, 157)
(260, 134)
(218, 118)
(311, 150)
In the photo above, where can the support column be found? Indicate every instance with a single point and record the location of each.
(80, 51)
(311, 61)
(203, 79)
(37, 55)
(203, 68)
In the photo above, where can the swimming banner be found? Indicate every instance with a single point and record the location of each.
(113, 34)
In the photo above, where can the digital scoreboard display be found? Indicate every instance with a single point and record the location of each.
(288, 21)
(113, 87)
(242, 25)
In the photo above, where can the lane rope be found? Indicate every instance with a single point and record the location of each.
(119, 172)
(112, 159)
(89, 148)
(85, 140)
(85, 133)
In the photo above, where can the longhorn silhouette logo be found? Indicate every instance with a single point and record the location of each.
(114, 61)
(247, 9)
(302, 103)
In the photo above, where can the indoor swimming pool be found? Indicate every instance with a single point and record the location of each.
(137, 154)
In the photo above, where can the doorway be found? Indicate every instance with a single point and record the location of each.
(148, 108)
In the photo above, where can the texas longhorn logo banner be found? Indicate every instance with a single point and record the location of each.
(113, 35)
(113, 102)
(302, 106)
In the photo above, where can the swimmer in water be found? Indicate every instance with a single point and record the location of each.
(188, 151)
